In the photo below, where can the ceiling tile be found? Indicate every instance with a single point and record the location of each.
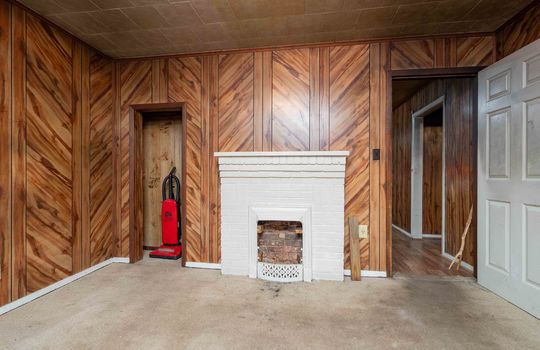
(43, 7)
(79, 23)
(180, 35)
(244, 9)
(151, 38)
(496, 9)
(112, 4)
(122, 40)
(257, 27)
(146, 17)
(365, 4)
(79, 5)
(181, 14)
(114, 20)
(148, 2)
(317, 6)
(212, 11)
(210, 32)
(433, 11)
(376, 17)
(154, 27)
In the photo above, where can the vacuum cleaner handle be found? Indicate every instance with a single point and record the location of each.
(173, 181)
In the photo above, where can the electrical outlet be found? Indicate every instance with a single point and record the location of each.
(363, 231)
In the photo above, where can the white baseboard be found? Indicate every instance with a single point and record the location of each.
(202, 265)
(463, 263)
(119, 260)
(402, 231)
(429, 235)
(33, 296)
(367, 273)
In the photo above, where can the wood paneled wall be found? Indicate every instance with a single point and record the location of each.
(64, 135)
(296, 99)
(432, 177)
(520, 31)
(307, 98)
(56, 143)
(460, 158)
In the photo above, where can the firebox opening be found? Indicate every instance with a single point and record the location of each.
(279, 242)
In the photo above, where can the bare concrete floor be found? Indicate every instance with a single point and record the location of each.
(159, 305)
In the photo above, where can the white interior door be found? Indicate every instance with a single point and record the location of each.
(509, 178)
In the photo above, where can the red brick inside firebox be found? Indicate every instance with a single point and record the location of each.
(280, 242)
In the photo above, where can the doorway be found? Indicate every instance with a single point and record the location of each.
(434, 174)
(157, 144)
(162, 151)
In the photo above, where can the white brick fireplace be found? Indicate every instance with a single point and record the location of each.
(288, 186)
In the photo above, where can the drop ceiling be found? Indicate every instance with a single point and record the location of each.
(133, 28)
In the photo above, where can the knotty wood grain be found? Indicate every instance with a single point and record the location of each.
(432, 178)
(5, 153)
(375, 108)
(101, 163)
(18, 149)
(79, 193)
(214, 226)
(355, 256)
(135, 88)
(475, 51)
(49, 230)
(185, 85)
(258, 101)
(349, 129)
(413, 54)
(236, 102)
(290, 100)
(385, 180)
(521, 30)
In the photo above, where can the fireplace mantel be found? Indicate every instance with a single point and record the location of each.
(284, 154)
(279, 186)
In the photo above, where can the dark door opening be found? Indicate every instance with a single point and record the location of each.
(434, 174)
(156, 144)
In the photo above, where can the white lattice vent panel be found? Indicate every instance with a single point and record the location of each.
(280, 272)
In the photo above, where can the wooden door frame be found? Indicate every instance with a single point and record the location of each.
(431, 73)
(136, 227)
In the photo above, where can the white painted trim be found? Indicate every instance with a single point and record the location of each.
(203, 265)
(429, 235)
(302, 214)
(38, 294)
(417, 147)
(284, 154)
(463, 263)
(367, 273)
(402, 231)
(119, 260)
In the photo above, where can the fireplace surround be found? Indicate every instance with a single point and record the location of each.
(304, 187)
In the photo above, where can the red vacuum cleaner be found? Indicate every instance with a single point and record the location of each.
(171, 232)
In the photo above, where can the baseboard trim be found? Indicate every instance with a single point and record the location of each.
(429, 235)
(203, 265)
(38, 294)
(402, 231)
(367, 273)
(463, 263)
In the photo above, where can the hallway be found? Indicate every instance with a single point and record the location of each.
(421, 257)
